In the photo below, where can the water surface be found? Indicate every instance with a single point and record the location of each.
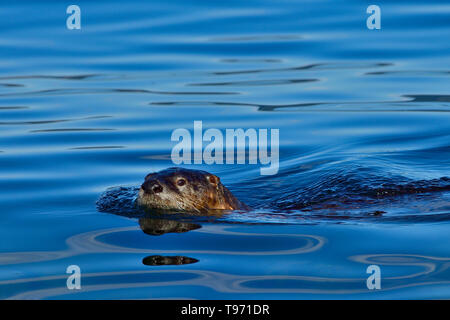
(364, 148)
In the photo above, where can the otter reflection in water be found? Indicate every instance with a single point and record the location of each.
(193, 191)
(167, 260)
(157, 227)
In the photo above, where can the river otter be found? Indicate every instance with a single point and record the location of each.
(182, 189)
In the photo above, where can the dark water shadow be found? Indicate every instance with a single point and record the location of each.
(96, 147)
(72, 130)
(313, 66)
(7, 123)
(255, 82)
(250, 60)
(261, 107)
(79, 91)
(409, 72)
(249, 71)
(11, 85)
(13, 108)
(66, 77)
(341, 106)
(258, 38)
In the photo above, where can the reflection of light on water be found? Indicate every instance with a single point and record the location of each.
(221, 282)
(428, 263)
(232, 283)
(87, 243)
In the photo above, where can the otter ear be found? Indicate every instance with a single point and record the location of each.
(214, 180)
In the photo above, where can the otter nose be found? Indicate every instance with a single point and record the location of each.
(151, 186)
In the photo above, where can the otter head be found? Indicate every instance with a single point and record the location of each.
(185, 190)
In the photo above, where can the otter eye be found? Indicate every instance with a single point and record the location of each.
(181, 182)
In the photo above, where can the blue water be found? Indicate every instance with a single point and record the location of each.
(364, 126)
